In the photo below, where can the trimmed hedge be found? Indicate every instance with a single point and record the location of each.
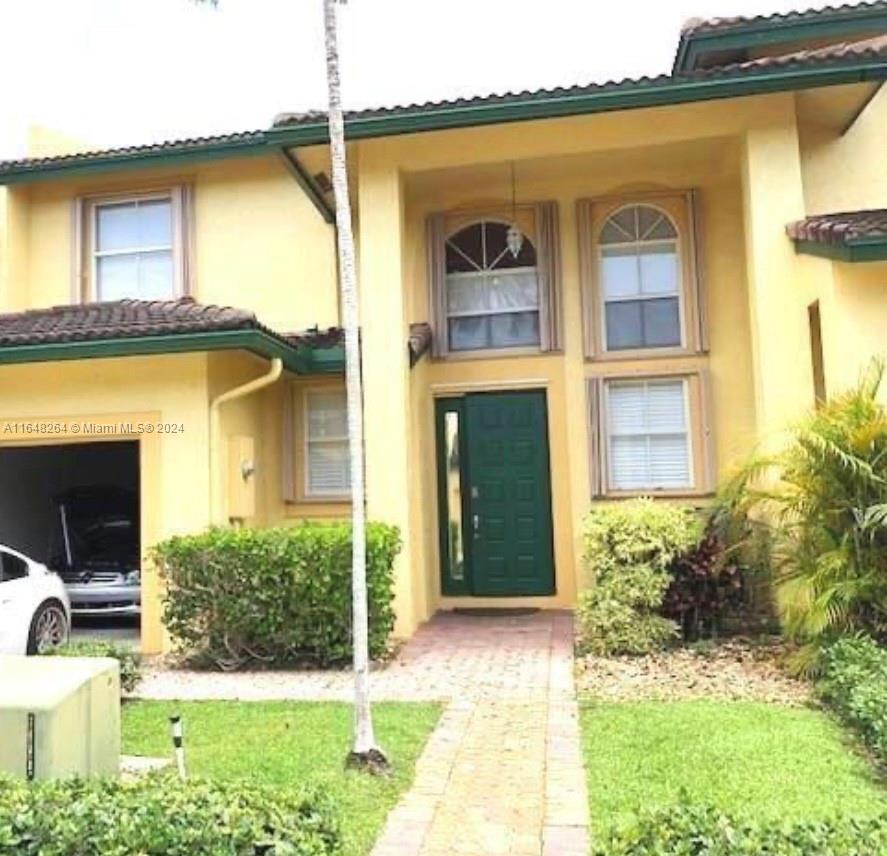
(130, 660)
(162, 816)
(282, 595)
(854, 683)
(702, 830)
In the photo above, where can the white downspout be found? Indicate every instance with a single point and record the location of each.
(216, 498)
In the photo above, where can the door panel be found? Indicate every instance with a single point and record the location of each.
(509, 494)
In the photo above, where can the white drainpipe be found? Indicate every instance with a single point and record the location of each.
(216, 497)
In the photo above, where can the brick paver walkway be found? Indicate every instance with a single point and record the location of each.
(502, 773)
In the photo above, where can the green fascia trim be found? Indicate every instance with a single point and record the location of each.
(760, 33)
(628, 96)
(863, 251)
(326, 360)
(255, 341)
(653, 93)
(107, 162)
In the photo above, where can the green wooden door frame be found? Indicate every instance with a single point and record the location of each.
(494, 494)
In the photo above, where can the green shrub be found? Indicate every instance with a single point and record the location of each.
(702, 830)
(239, 596)
(854, 683)
(824, 497)
(161, 816)
(706, 584)
(130, 660)
(628, 549)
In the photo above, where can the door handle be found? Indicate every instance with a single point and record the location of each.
(475, 524)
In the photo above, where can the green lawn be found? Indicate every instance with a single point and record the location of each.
(761, 759)
(285, 743)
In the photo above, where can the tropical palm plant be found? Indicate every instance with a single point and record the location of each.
(824, 499)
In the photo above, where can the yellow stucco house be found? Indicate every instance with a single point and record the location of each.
(567, 296)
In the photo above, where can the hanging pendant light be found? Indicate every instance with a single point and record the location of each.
(514, 237)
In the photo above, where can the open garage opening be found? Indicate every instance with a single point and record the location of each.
(76, 508)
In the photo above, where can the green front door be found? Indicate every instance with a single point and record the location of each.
(495, 494)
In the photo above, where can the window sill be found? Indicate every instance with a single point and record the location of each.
(683, 493)
(494, 354)
(642, 354)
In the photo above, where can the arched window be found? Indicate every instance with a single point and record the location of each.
(492, 296)
(640, 279)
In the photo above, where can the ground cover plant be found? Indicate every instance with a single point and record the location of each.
(854, 684)
(238, 597)
(277, 744)
(161, 816)
(754, 760)
(704, 830)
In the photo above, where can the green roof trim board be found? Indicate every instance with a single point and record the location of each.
(849, 236)
(703, 42)
(775, 74)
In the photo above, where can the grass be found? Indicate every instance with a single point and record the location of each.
(287, 743)
(763, 760)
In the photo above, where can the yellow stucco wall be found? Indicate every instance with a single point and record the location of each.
(75, 397)
(259, 244)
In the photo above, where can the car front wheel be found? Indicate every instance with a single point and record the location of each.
(49, 628)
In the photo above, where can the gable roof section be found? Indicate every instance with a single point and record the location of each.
(719, 41)
(851, 236)
(836, 64)
(139, 327)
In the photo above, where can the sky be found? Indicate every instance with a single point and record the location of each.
(121, 72)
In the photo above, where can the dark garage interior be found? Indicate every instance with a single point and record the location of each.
(75, 507)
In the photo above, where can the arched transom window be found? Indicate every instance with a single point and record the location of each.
(492, 296)
(640, 279)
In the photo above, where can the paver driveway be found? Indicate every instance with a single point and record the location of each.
(502, 773)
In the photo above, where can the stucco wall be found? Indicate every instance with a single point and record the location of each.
(168, 390)
(258, 243)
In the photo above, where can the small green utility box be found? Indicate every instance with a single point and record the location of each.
(59, 716)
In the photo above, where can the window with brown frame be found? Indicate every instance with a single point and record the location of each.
(650, 434)
(486, 298)
(315, 457)
(132, 245)
(641, 276)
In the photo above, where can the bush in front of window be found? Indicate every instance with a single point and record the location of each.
(629, 548)
(238, 597)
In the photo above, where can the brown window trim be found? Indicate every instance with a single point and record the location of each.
(701, 432)
(540, 220)
(683, 207)
(83, 288)
(294, 459)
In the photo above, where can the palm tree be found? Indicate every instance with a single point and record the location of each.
(365, 752)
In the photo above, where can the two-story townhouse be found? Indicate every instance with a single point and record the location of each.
(567, 296)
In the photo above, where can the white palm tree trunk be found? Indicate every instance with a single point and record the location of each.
(364, 737)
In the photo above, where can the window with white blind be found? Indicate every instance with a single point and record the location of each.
(327, 472)
(492, 294)
(648, 435)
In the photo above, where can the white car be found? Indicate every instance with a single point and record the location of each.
(35, 614)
